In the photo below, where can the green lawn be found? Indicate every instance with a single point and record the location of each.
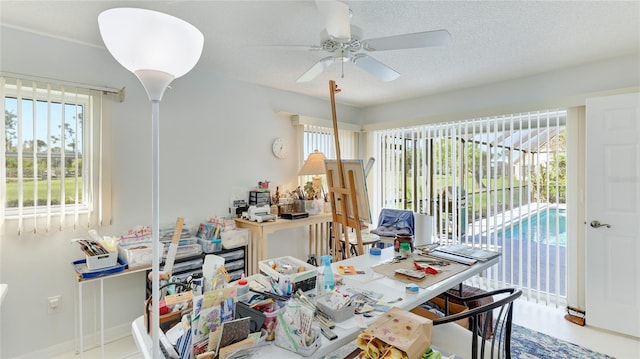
(28, 190)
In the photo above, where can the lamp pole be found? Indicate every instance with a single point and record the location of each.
(155, 83)
(131, 36)
(155, 225)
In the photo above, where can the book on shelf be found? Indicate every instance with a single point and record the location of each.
(467, 251)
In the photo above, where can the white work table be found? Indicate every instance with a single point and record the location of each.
(348, 330)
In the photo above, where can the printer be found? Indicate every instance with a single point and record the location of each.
(259, 214)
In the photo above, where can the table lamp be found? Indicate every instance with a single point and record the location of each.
(314, 165)
(157, 48)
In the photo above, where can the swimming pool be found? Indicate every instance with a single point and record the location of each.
(534, 227)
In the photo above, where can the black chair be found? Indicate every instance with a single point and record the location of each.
(488, 336)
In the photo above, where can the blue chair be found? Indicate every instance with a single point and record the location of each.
(394, 221)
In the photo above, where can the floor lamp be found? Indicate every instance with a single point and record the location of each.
(157, 48)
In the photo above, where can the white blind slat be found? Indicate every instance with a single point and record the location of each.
(496, 163)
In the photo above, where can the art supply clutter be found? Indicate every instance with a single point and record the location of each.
(296, 330)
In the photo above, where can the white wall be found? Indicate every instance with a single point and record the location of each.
(558, 89)
(215, 134)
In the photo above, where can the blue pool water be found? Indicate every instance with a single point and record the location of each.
(547, 226)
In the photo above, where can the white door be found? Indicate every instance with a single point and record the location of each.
(613, 213)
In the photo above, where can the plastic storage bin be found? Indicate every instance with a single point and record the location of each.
(335, 315)
(138, 255)
(102, 261)
(210, 246)
(235, 238)
(284, 340)
(301, 275)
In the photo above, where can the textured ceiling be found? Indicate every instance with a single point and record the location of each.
(491, 41)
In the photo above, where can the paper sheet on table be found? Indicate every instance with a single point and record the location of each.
(388, 270)
(368, 275)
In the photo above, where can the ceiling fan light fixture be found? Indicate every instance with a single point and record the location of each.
(344, 56)
(346, 43)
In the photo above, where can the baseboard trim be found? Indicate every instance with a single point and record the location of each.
(91, 341)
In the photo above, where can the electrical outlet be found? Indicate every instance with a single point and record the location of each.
(54, 303)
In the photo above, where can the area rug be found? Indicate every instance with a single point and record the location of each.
(525, 344)
(530, 344)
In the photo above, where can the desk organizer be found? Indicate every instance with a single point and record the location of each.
(337, 316)
(301, 275)
(84, 272)
(292, 342)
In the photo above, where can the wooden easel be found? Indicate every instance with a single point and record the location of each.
(340, 195)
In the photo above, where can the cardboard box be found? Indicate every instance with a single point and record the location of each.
(453, 309)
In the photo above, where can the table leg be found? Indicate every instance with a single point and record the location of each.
(102, 317)
(80, 316)
(263, 248)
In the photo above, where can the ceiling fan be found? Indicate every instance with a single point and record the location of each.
(345, 44)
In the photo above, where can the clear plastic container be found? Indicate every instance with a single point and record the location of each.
(405, 250)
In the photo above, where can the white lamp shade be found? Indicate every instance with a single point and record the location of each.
(141, 39)
(314, 165)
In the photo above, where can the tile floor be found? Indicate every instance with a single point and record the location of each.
(537, 317)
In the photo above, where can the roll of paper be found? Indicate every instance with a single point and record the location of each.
(423, 229)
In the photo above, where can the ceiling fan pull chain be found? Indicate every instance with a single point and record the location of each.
(342, 66)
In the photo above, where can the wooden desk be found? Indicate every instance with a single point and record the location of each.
(348, 330)
(319, 236)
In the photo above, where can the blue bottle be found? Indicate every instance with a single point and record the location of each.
(327, 273)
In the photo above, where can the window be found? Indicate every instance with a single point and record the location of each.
(497, 183)
(322, 139)
(52, 137)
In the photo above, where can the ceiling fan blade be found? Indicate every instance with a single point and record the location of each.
(316, 69)
(408, 41)
(336, 18)
(289, 47)
(375, 67)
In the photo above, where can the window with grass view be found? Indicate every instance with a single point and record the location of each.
(52, 139)
(43, 146)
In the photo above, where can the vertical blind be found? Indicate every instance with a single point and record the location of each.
(496, 183)
(321, 138)
(53, 145)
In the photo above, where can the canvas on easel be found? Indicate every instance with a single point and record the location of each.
(362, 196)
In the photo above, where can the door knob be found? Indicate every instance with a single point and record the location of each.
(597, 224)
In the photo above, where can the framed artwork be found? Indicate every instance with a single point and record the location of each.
(362, 195)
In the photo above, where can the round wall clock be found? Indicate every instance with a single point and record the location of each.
(280, 147)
